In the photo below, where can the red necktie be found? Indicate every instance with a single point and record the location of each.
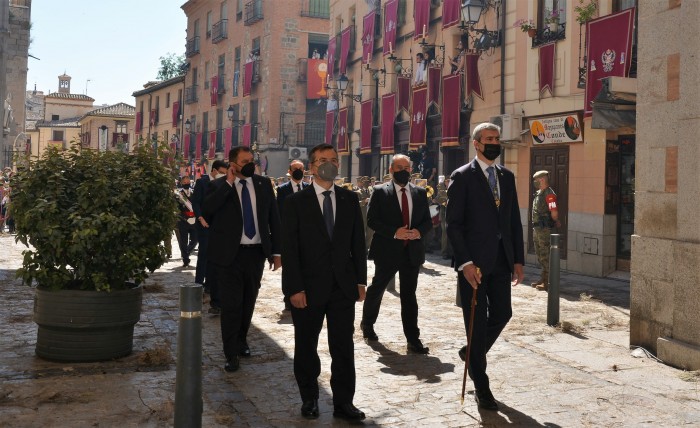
(404, 212)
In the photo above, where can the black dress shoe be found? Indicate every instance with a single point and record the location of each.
(368, 333)
(484, 399)
(232, 365)
(309, 409)
(462, 353)
(416, 347)
(348, 412)
(245, 351)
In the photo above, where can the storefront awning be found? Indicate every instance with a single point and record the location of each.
(615, 106)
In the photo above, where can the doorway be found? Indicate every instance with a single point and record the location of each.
(619, 194)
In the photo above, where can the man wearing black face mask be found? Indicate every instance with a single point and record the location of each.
(485, 230)
(399, 215)
(244, 231)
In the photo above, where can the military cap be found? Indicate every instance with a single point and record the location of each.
(538, 174)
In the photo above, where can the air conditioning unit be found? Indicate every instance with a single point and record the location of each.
(511, 126)
(298, 153)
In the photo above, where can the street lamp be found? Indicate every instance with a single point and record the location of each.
(471, 11)
(342, 82)
(230, 113)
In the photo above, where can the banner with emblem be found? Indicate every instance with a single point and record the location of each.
(366, 126)
(419, 107)
(452, 88)
(421, 16)
(344, 49)
(316, 72)
(212, 145)
(451, 13)
(391, 10)
(368, 37)
(388, 115)
(342, 146)
(609, 41)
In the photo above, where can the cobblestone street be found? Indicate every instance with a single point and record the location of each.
(581, 374)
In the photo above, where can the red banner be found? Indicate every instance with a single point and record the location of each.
(139, 122)
(330, 121)
(246, 134)
(452, 88)
(342, 146)
(388, 115)
(366, 126)
(316, 73)
(212, 145)
(344, 49)
(152, 118)
(176, 113)
(609, 41)
(472, 72)
(214, 90)
(403, 85)
(434, 80)
(247, 78)
(198, 147)
(391, 10)
(186, 147)
(228, 136)
(419, 114)
(332, 43)
(547, 54)
(421, 16)
(368, 37)
(451, 13)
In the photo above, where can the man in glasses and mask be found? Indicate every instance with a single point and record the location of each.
(399, 215)
(325, 273)
(485, 230)
(244, 232)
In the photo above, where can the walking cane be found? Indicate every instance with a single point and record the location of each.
(469, 341)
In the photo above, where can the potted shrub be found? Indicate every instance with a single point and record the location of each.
(585, 13)
(551, 18)
(94, 223)
(526, 26)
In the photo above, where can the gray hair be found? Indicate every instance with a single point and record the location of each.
(399, 156)
(486, 125)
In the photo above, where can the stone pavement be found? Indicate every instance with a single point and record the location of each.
(578, 375)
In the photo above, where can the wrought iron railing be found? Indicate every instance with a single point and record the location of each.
(191, 94)
(547, 35)
(253, 12)
(219, 31)
(192, 47)
(316, 9)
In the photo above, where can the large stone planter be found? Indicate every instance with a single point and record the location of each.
(82, 326)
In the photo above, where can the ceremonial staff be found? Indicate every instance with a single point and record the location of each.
(469, 340)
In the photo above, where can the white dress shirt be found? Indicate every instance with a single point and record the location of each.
(319, 195)
(397, 189)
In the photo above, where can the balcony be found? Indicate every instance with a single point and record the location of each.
(253, 12)
(315, 9)
(192, 47)
(221, 87)
(546, 35)
(219, 31)
(191, 94)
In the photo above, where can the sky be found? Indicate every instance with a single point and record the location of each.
(110, 48)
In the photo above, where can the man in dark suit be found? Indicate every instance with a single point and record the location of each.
(398, 213)
(187, 234)
(325, 272)
(202, 275)
(295, 184)
(244, 231)
(485, 230)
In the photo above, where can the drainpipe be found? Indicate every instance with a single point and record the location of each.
(503, 55)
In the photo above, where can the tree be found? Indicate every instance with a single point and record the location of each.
(171, 65)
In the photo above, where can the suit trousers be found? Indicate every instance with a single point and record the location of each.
(238, 284)
(408, 278)
(493, 311)
(203, 238)
(186, 239)
(339, 312)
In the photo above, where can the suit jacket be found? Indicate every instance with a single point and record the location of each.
(223, 208)
(384, 217)
(475, 225)
(284, 190)
(312, 260)
(198, 194)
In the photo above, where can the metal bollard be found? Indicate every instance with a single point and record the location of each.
(188, 379)
(553, 295)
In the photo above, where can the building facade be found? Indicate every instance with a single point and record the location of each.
(109, 128)
(158, 114)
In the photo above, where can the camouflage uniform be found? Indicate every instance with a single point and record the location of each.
(542, 229)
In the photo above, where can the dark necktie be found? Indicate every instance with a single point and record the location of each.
(328, 212)
(298, 187)
(248, 220)
(404, 212)
(492, 182)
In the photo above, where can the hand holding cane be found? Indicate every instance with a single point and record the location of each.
(470, 330)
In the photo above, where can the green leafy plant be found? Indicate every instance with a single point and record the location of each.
(585, 13)
(524, 24)
(93, 220)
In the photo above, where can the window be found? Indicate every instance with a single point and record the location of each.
(157, 108)
(206, 75)
(317, 9)
(239, 10)
(236, 69)
(167, 100)
(545, 9)
(54, 117)
(196, 28)
(209, 24)
(121, 127)
(223, 10)
(620, 5)
(57, 136)
(256, 45)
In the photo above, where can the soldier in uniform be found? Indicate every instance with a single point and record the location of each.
(545, 216)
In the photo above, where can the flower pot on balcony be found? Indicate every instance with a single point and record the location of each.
(532, 32)
(553, 27)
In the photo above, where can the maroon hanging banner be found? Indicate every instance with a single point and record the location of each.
(451, 10)
(419, 107)
(388, 115)
(344, 49)
(368, 37)
(452, 88)
(186, 147)
(434, 79)
(421, 16)
(404, 93)
(246, 134)
(228, 134)
(176, 113)
(152, 118)
(391, 10)
(609, 41)
(214, 90)
(316, 73)
(139, 122)
(547, 54)
(247, 78)
(472, 72)
(331, 56)
(342, 146)
(330, 121)
(198, 147)
(212, 145)
(366, 127)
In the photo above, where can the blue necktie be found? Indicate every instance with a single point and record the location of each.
(328, 212)
(492, 182)
(248, 220)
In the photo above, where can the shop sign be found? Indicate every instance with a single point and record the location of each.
(556, 129)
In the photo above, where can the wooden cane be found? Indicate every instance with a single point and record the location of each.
(470, 329)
